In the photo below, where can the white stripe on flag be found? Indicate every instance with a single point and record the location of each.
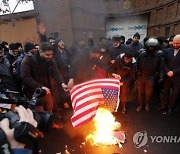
(95, 85)
(84, 93)
(85, 108)
(84, 118)
(88, 99)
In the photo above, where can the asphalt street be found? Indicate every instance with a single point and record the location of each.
(157, 126)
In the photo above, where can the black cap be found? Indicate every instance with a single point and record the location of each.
(116, 38)
(128, 54)
(137, 35)
(29, 46)
(58, 40)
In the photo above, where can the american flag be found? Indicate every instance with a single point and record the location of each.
(86, 98)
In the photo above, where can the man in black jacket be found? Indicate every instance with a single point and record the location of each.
(172, 71)
(6, 78)
(149, 66)
(37, 71)
(125, 66)
(62, 57)
(117, 48)
(135, 46)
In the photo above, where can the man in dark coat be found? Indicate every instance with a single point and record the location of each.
(149, 66)
(62, 57)
(172, 71)
(37, 71)
(6, 78)
(136, 45)
(125, 66)
(117, 48)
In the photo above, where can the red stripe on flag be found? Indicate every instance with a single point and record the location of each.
(88, 103)
(82, 119)
(108, 80)
(86, 97)
(74, 94)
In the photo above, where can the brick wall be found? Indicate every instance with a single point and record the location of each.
(75, 19)
(163, 13)
(55, 14)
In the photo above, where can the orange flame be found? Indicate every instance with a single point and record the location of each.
(105, 126)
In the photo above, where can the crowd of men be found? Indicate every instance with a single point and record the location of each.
(153, 67)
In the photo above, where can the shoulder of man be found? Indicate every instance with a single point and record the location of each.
(160, 53)
(6, 62)
(143, 53)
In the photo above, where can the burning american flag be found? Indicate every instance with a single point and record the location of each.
(88, 96)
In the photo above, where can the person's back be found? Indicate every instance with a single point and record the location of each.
(6, 78)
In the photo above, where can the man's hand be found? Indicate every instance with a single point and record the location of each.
(25, 115)
(70, 83)
(48, 91)
(112, 61)
(65, 87)
(117, 76)
(170, 73)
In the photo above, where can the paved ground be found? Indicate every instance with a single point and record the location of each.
(153, 122)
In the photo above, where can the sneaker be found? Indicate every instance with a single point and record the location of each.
(139, 108)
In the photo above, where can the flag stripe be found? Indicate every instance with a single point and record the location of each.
(89, 107)
(96, 81)
(93, 97)
(79, 96)
(94, 85)
(87, 102)
(84, 119)
(86, 98)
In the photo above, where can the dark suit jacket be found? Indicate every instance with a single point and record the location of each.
(172, 63)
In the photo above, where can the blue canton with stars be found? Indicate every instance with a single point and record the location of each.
(110, 98)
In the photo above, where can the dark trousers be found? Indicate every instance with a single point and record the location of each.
(124, 93)
(170, 101)
(145, 88)
(48, 102)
